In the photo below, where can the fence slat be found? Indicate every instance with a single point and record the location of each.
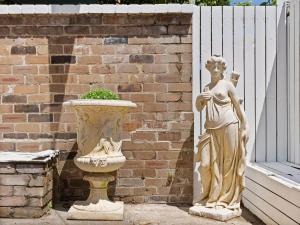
(297, 91)
(282, 103)
(205, 49)
(238, 45)
(260, 84)
(228, 37)
(196, 91)
(250, 79)
(291, 83)
(216, 31)
(271, 83)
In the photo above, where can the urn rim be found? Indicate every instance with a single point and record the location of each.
(98, 102)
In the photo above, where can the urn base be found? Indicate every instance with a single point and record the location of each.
(222, 214)
(102, 210)
(97, 206)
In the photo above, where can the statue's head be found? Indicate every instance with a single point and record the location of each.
(216, 65)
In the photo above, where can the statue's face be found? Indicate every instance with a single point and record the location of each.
(216, 71)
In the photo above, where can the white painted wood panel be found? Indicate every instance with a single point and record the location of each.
(284, 188)
(260, 83)
(290, 210)
(282, 104)
(238, 47)
(228, 38)
(196, 91)
(206, 49)
(216, 30)
(256, 211)
(250, 79)
(268, 209)
(271, 65)
(297, 83)
(291, 83)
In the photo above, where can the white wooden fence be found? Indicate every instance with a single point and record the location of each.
(293, 38)
(253, 41)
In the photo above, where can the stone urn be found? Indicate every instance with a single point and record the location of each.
(99, 138)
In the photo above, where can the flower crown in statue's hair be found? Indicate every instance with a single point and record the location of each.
(213, 59)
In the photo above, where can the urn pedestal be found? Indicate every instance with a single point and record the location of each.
(99, 129)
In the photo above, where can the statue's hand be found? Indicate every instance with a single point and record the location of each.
(244, 134)
(205, 96)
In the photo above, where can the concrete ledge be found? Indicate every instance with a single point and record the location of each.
(95, 8)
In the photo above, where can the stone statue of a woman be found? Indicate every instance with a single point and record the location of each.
(222, 146)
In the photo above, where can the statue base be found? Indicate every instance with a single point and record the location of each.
(222, 214)
(97, 206)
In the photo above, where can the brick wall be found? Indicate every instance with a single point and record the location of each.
(45, 60)
(25, 189)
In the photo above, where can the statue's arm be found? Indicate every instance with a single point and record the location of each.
(237, 106)
(202, 99)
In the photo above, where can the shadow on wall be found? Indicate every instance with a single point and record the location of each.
(181, 182)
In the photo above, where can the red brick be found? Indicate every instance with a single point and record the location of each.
(39, 98)
(144, 136)
(131, 126)
(6, 128)
(77, 69)
(127, 68)
(180, 29)
(154, 87)
(5, 69)
(77, 30)
(14, 179)
(27, 127)
(133, 146)
(144, 172)
(155, 107)
(157, 182)
(27, 147)
(169, 136)
(130, 88)
(166, 155)
(157, 68)
(6, 108)
(7, 146)
(103, 69)
(180, 87)
(142, 97)
(180, 106)
(144, 155)
(40, 59)
(11, 60)
(103, 49)
(23, 70)
(13, 201)
(11, 79)
(6, 190)
(144, 191)
(168, 97)
(86, 60)
(14, 118)
(154, 49)
(26, 89)
(131, 164)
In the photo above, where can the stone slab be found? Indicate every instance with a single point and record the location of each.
(38, 157)
(76, 214)
(213, 213)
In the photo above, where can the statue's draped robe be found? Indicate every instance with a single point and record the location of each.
(222, 156)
